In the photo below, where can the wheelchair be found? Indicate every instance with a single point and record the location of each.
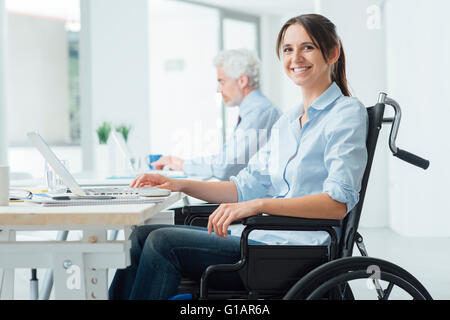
(311, 272)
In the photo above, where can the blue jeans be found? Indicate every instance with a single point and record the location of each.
(162, 254)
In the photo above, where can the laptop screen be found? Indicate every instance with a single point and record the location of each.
(54, 163)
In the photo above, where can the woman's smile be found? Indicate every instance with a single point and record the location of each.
(300, 70)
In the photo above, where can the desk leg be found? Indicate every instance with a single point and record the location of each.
(76, 281)
(48, 280)
(73, 279)
(96, 284)
(68, 274)
(96, 280)
(7, 275)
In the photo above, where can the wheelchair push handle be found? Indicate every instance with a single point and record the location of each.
(397, 152)
(412, 158)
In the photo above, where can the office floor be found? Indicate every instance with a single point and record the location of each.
(428, 259)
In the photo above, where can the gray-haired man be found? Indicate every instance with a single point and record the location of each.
(238, 73)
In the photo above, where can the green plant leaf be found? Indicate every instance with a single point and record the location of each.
(124, 130)
(103, 132)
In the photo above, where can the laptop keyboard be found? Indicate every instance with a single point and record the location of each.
(113, 191)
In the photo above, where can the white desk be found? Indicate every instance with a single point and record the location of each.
(79, 267)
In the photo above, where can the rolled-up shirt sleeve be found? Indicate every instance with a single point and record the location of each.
(253, 182)
(345, 154)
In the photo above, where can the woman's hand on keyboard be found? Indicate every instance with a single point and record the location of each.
(155, 180)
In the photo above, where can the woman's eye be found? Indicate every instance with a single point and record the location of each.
(287, 49)
(308, 47)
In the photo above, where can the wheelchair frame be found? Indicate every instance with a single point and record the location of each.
(330, 270)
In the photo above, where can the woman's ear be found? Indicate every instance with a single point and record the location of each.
(334, 55)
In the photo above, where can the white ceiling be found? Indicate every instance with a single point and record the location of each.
(274, 7)
(70, 9)
(59, 9)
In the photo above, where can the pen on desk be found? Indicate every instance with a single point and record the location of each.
(83, 198)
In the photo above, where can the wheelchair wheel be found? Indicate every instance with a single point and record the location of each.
(339, 278)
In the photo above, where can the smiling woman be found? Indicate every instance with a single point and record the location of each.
(315, 172)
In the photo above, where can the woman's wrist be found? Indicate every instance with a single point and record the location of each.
(180, 184)
(258, 205)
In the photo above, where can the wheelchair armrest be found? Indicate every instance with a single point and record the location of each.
(282, 221)
(201, 209)
(185, 215)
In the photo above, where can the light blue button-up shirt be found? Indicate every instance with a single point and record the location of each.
(258, 115)
(328, 155)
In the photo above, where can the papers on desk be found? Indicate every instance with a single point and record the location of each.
(49, 202)
(19, 194)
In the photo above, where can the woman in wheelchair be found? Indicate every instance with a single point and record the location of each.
(312, 167)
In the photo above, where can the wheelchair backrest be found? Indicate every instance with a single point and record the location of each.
(351, 221)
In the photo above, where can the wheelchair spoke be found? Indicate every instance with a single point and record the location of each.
(388, 291)
(325, 287)
(353, 276)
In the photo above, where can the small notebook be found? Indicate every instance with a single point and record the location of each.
(48, 202)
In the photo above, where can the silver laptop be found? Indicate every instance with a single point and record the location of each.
(125, 150)
(75, 188)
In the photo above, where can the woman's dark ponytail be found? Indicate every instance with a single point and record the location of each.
(338, 74)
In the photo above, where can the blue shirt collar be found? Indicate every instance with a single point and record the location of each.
(327, 97)
(324, 100)
(248, 104)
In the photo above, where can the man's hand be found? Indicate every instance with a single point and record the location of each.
(156, 180)
(226, 213)
(174, 163)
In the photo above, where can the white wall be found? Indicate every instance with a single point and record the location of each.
(3, 90)
(366, 73)
(114, 71)
(418, 51)
(37, 79)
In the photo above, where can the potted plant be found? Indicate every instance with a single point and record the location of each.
(103, 132)
(124, 130)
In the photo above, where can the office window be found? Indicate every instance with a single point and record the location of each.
(42, 79)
